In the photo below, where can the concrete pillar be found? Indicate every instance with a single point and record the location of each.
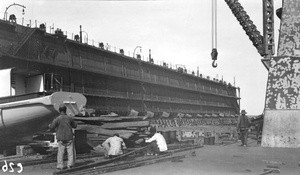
(282, 106)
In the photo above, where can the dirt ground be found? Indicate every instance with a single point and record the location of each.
(226, 160)
(210, 160)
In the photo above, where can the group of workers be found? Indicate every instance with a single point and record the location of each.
(64, 124)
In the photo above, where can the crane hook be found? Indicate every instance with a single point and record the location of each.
(214, 64)
(214, 57)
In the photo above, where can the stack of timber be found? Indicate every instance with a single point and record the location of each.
(193, 121)
(132, 128)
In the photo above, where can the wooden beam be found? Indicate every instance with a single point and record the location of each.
(129, 164)
(125, 124)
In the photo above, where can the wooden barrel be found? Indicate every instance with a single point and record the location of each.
(206, 141)
(212, 140)
(166, 135)
(81, 141)
(173, 138)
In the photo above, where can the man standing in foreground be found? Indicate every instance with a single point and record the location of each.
(157, 143)
(243, 127)
(63, 125)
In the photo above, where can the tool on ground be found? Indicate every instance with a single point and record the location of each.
(271, 169)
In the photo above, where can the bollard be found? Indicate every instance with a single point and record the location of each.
(212, 140)
(206, 141)
(166, 135)
(173, 138)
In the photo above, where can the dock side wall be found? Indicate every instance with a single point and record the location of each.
(282, 116)
(282, 110)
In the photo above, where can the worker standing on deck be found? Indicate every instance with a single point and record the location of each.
(113, 146)
(243, 127)
(157, 143)
(63, 126)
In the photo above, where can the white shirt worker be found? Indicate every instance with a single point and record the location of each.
(113, 145)
(160, 140)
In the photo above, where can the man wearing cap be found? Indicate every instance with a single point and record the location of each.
(157, 143)
(63, 126)
(243, 127)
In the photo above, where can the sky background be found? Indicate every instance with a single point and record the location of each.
(176, 31)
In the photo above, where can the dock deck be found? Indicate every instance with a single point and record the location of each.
(226, 159)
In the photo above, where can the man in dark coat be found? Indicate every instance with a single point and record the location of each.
(63, 126)
(243, 127)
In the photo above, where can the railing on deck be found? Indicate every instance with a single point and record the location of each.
(52, 28)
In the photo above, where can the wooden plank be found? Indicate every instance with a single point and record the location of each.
(82, 126)
(112, 114)
(26, 162)
(125, 134)
(130, 164)
(133, 118)
(10, 157)
(99, 136)
(105, 166)
(104, 119)
(125, 124)
(97, 139)
(100, 119)
(92, 135)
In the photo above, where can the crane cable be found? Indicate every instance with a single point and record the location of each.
(214, 52)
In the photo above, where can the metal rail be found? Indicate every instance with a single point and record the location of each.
(104, 167)
(268, 27)
(128, 164)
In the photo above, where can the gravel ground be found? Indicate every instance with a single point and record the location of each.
(218, 159)
(226, 160)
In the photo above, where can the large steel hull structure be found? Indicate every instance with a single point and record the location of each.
(112, 82)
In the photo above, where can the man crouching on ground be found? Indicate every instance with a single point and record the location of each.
(157, 143)
(113, 146)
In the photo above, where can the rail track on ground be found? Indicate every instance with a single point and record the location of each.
(135, 158)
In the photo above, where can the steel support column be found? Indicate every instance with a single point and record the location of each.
(282, 106)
